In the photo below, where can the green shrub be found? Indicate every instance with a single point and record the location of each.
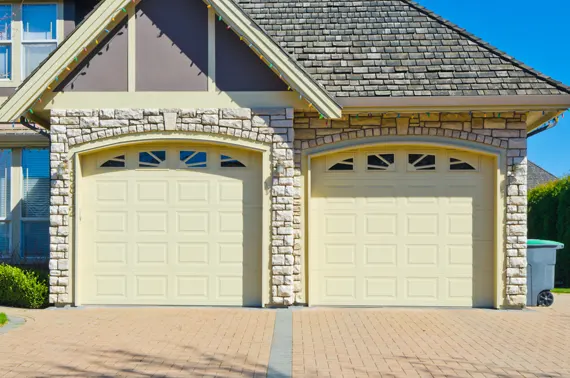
(22, 288)
(549, 218)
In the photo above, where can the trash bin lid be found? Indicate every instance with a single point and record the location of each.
(538, 243)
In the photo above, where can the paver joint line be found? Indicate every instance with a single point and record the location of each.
(281, 355)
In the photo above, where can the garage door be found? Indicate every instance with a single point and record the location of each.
(402, 226)
(165, 225)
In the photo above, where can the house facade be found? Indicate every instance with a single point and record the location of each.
(258, 153)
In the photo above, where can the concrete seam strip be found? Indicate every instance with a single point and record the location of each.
(13, 323)
(281, 356)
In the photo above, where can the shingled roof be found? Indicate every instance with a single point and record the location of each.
(392, 48)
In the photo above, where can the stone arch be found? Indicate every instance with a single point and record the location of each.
(363, 134)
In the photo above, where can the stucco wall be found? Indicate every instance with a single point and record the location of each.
(503, 130)
(73, 128)
(171, 46)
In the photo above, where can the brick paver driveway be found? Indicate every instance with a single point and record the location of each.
(143, 342)
(189, 342)
(432, 343)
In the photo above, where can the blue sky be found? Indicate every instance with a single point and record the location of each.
(534, 32)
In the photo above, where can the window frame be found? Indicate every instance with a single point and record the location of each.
(390, 168)
(10, 44)
(23, 219)
(24, 42)
(413, 169)
(17, 47)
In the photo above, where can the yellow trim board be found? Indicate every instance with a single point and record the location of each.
(287, 66)
(36, 84)
(98, 100)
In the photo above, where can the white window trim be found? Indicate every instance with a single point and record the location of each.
(23, 42)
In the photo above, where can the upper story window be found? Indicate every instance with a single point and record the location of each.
(28, 34)
(5, 42)
(39, 34)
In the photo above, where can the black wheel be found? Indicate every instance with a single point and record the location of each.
(545, 298)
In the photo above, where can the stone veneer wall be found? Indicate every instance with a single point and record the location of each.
(273, 127)
(504, 130)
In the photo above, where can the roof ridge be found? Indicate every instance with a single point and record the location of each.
(558, 84)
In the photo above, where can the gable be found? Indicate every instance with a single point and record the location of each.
(35, 97)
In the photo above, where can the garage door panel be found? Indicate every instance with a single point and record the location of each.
(380, 255)
(407, 238)
(151, 253)
(422, 255)
(193, 253)
(380, 288)
(385, 224)
(196, 192)
(152, 191)
(155, 222)
(340, 224)
(112, 193)
(172, 236)
(110, 286)
(423, 288)
(155, 286)
(422, 224)
(193, 222)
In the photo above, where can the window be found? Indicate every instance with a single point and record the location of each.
(460, 165)
(39, 34)
(5, 168)
(193, 159)
(344, 165)
(35, 202)
(5, 42)
(421, 162)
(116, 162)
(381, 162)
(229, 162)
(152, 159)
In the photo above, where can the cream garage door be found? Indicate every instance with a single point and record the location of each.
(170, 224)
(402, 226)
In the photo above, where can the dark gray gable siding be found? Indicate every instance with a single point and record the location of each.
(392, 48)
(537, 176)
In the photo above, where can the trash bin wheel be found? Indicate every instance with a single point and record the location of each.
(545, 298)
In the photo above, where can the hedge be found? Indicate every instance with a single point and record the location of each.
(22, 288)
(549, 218)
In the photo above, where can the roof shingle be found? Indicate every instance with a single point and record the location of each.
(392, 48)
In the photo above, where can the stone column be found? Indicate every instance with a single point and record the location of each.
(516, 232)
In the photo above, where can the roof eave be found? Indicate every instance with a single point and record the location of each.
(457, 103)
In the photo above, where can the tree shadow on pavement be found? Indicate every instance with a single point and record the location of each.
(428, 367)
(125, 363)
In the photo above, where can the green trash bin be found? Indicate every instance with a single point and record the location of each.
(541, 260)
